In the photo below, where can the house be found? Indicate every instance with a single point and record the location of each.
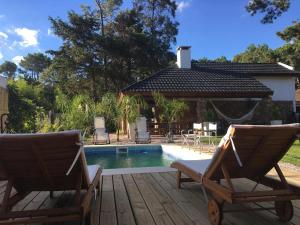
(230, 92)
(3, 101)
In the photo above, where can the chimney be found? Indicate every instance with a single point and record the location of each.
(184, 57)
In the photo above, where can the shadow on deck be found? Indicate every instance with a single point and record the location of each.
(152, 198)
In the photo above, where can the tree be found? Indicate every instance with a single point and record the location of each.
(22, 107)
(8, 69)
(33, 65)
(207, 60)
(289, 53)
(158, 20)
(170, 110)
(271, 9)
(105, 49)
(256, 54)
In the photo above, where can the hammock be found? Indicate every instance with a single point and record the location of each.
(246, 117)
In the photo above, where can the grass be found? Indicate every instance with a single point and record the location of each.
(292, 156)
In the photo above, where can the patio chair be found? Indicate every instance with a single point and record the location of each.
(210, 130)
(100, 135)
(141, 134)
(46, 162)
(249, 152)
(192, 134)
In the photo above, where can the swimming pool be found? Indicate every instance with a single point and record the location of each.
(111, 157)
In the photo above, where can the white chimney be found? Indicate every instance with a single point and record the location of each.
(184, 57)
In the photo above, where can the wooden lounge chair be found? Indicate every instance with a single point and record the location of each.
(46, 162)
(250, 152)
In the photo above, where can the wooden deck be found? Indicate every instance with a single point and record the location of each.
(153, 199)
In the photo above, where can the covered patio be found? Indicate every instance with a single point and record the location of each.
(210, 95)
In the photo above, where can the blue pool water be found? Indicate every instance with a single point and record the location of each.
(137, 156)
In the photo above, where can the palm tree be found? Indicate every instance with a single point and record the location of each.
(170, 111)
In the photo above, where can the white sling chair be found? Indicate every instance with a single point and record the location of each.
(100, 134)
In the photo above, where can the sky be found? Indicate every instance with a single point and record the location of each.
(212, 27)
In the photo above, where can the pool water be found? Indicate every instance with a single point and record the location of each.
(137, 156)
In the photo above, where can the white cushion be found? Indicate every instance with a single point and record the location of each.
(198, 166)
(92, 170)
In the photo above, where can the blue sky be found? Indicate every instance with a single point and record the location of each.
(212, 27)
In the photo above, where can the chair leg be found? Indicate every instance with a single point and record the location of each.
(178, 176)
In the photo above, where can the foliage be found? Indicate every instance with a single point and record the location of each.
(33, 65)
(289, 53)
(77, 113)
(22, 108)
(110, 108)
(170, 110)
(25, 101)
(107, 48)
(210, 114)
(275, 112)
(271, 9)
(131, 107)
(8, 69)
(45, 125)
(207, 60)
(256, 54)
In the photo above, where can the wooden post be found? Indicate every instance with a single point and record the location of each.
(200, 109)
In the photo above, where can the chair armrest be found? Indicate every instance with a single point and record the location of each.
(190, 131)
(182, 132)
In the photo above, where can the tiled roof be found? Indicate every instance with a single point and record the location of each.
(200, 82)
(258, 69)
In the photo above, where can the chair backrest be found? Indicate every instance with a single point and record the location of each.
(197, 126)
(100, 131)
(99, 123)
(38, 162)
(141, 124)
(258, 149)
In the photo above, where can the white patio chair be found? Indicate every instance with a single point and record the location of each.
(100, 135)
(142, 135)
(192, 135)
(209, 130)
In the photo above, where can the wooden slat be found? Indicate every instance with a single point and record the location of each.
(140, 210)
(157, 210)
(166, 201)
(124, 212)
(194, 208)
(108, 211)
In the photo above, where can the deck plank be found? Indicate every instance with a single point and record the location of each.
(124, 211)
(140, 210)
(152, 198)
(170, 206)
(157, 210)
(195, 209)
(108, 214)
(96, 206)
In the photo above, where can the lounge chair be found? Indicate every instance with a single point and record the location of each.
(100, 135)
(141, 134)
(46, 162)
(250, 152)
